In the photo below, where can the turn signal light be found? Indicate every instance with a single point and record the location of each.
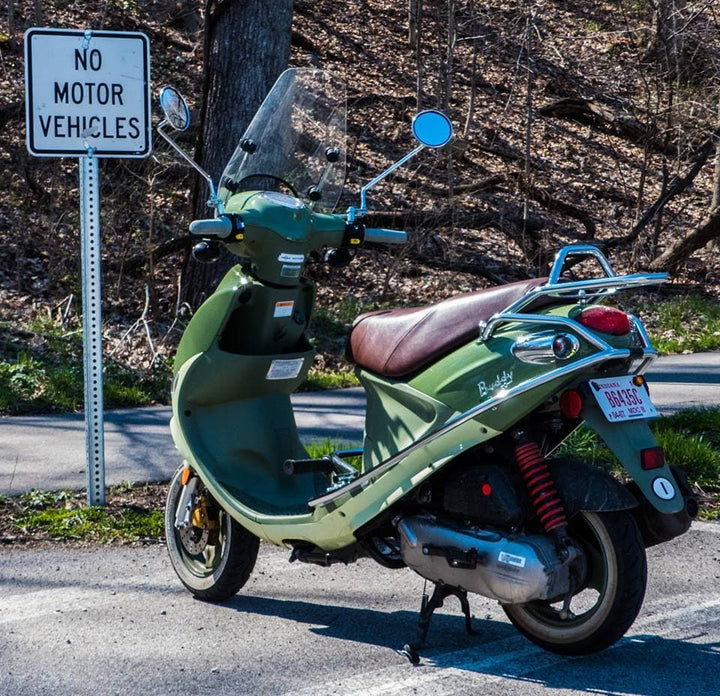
(607, 320)
(652, 458)
(571, 404)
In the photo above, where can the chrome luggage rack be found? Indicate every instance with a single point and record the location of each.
(577, 290)
(581, 290)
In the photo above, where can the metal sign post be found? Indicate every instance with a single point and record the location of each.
(92, 327)
(87, 95)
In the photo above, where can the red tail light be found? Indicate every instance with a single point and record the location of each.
(652, 458)
(571, 404)
(606, 320)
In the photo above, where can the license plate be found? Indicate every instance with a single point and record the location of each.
(621, 400)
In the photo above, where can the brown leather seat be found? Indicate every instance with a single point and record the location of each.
(398, 342)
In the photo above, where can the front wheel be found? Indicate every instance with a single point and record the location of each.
(611, 595)
(214, 555)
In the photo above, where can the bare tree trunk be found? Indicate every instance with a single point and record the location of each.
(716, 174)
(414, 8)
(247, 45)
(11, 19)
(449, 74)
(418, 55)
(530, 67)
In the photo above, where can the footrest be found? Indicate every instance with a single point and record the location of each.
(324, 465)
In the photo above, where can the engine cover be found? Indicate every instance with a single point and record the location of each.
(512, 569)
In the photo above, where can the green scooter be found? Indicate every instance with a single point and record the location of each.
(466, 401)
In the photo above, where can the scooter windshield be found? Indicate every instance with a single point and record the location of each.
(295, 143)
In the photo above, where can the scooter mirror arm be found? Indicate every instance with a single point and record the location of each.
(362, 210)
(214, 201)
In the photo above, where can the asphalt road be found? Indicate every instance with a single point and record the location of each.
(48, 452)
(115, 620)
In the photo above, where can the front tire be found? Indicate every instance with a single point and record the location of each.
(610, 598)
(215, 555)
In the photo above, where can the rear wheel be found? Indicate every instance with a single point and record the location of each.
(214, 555)
(611, 594)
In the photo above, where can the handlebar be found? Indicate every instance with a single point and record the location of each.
(215, 227)
(378, 235)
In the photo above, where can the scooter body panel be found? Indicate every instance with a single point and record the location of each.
(234, 425)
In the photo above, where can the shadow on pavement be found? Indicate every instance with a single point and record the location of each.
(639, 665)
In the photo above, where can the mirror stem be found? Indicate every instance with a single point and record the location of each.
(353, 212)
(214, 201)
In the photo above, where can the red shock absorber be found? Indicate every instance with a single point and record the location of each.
(540, 486)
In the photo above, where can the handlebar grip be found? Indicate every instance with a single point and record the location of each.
(378, 235)
(220, 227)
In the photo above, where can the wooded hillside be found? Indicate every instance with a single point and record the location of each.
(593, 122)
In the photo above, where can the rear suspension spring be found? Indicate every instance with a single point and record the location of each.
(540, 486)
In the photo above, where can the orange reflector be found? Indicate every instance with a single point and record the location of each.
(638, 380)
(652, 458)
(571, 404)
(185, 477)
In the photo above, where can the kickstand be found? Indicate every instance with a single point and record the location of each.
(428, 606)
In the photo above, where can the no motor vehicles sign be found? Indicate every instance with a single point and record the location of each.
(87, 89)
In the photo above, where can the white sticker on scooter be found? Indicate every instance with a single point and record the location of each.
(511, 559)
(285, 369)
(663, 489)
(289, 271)
(284, 309)
(291, 258)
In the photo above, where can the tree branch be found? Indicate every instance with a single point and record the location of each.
(676, 186)
(705, 232)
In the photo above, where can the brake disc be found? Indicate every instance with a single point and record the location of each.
(194, 539)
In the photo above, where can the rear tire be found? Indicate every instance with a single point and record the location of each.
(214, 559)
(612, 595)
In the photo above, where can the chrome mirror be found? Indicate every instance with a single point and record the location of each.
(175, 108)
(432, 128)
(177, 116)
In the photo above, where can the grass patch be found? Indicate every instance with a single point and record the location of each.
(41, 370)
(679, 324)
(336, 379)
(94, 524)
(133, 513)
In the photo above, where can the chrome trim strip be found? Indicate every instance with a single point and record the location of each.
(491, 403)
(488, 327)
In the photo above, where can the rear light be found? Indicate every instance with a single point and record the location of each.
(571, 404)
(606, 320)
(652, 458)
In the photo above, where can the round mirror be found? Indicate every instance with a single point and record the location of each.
(175, 108)
(432, 128)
